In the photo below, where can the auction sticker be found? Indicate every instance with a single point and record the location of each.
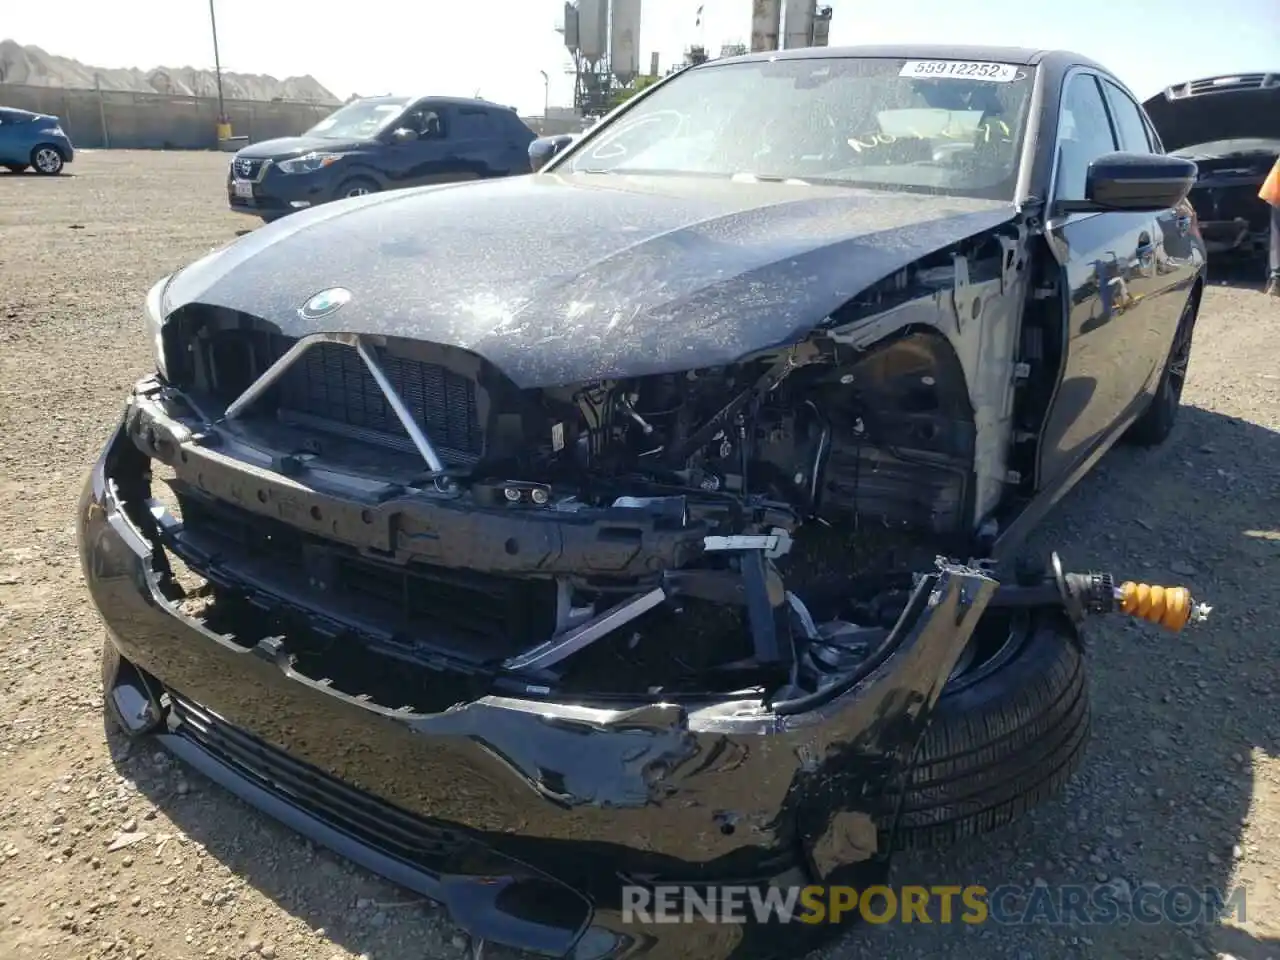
(959, 70)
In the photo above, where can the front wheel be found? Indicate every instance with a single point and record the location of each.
(1156, 423)
(355, 187)
(1007, 732)
(47, 161)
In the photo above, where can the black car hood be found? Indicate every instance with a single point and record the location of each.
(283, 148)
(1247, 113)
(565, 279)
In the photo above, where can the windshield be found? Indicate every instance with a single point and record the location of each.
(1244, 147)
(952, 128)
(359, 119)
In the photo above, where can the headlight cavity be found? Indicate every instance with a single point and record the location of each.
(153, 318)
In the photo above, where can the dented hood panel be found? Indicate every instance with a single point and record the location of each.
(562, 279)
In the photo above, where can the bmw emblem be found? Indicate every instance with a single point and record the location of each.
(324, 303)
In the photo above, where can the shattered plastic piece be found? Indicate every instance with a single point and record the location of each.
(123, 840)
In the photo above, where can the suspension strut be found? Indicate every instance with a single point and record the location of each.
(1092, 594)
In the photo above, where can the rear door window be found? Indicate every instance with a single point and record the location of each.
(1128, 119)
(513, 127)
(474, 124)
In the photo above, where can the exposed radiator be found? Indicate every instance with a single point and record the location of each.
(331, 383)
(330, 389)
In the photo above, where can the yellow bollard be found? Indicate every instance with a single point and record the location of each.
(224, 131)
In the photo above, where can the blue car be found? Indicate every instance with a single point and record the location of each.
(33, 140)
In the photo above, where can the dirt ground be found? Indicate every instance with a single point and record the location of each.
(107, 852)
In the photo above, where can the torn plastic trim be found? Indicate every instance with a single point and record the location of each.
(944, 608)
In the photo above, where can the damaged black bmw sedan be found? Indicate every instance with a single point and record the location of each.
(644, 520)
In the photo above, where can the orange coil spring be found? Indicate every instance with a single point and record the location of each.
(1170, 607)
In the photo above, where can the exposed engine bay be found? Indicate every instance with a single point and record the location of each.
(759, 525)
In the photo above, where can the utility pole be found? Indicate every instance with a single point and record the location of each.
(224, 127)
(102, 111)
(546, 93)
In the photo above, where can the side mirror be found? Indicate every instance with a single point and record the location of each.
(1137, 182)
(544, 148)
(403, 135)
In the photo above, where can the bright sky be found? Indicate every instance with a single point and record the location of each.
(498, 47)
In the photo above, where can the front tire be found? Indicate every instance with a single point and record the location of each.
(1005, 736)
(47, 160)
(355, 187)
(1157, 421)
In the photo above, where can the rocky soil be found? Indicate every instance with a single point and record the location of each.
(118, 853)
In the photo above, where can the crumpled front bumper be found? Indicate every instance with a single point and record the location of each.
(525, 818)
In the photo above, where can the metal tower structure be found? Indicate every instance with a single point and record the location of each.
(603, 41)
(786, 24)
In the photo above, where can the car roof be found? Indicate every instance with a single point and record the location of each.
(442, 101)
(467, 102)
(1025, 56)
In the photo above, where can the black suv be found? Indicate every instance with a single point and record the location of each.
(379, 143)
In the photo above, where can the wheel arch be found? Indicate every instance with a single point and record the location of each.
(41, 144)
(363, 172)
(900, 411)
(967, 301)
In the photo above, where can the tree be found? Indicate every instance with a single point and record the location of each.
(623, 94)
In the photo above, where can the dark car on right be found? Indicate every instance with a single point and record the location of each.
(379, 143)
(1230, 127)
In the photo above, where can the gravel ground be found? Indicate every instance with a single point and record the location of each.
(112, 853)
